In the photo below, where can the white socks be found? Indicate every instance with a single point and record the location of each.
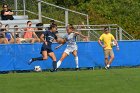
(76, 61)
(108, 66)
(58, 64)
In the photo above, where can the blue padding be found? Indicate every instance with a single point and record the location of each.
(16, 56)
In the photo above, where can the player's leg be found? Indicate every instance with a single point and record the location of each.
(44, 57)
(106, 61)
(76, 58)
(64, 55)
(111, 53)
(53, 57)
(106, 54)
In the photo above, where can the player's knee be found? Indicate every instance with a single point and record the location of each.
(54, 59)
(112, 57)
(45, 58)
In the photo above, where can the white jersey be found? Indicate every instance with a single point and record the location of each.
(71, 40)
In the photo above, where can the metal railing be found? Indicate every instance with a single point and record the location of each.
(35, 7)
(94, 31)
(66, 12)
(39, 7)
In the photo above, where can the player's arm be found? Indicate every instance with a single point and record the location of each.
(117, 45)
(58, 46)
(100, 41)
(42, 39)
(81, 35)
(115, 41)
(61, 43)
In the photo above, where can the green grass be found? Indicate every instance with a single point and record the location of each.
(87, 81)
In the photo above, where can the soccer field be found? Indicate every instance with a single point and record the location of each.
(125, 80)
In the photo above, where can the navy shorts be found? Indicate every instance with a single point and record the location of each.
(46, 48)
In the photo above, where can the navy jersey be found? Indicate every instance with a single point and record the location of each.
(49, 37)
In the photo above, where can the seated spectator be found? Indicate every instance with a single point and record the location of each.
(3, 40)
(39, 30)
(8, 34)
(6, 13)
(29, 34)
(18, 35)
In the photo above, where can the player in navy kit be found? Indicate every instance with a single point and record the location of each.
(46, 49)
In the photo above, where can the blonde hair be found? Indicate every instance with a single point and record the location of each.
(70, 26)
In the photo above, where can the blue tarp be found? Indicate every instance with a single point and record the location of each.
(16, 56)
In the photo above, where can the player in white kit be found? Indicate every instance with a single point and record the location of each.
(70, 38)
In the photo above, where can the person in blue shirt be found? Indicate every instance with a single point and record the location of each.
(8, 34)
(48, 37)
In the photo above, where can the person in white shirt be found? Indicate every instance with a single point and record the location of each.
(70, 38)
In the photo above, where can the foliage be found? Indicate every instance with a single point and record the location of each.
(125, 13)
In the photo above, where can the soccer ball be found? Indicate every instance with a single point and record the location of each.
(60, 40)
(37, 69)
(113, 44)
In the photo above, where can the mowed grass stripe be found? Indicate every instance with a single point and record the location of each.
(96, 81)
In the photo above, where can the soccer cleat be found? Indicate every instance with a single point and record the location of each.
(30, 61)
(106, 67)
(54, 70)
(77, 69)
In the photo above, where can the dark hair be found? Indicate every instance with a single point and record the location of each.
(4, 5)
(28, 22)
(106, 28)
(6, 25)
(52, 21)
(15, 25)
(52, 26)
(39, 26)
